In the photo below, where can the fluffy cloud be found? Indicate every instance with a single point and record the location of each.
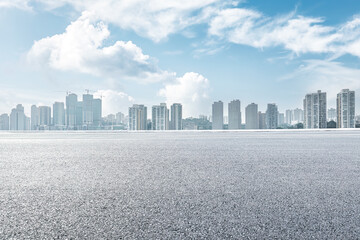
(81, 48)
(191, 90)
(114, 101)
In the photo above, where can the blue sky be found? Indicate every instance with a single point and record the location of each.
(193, 52)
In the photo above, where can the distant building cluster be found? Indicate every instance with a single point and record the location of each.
(87, 115)
(73, 115)
(254, 119)
(313, 115)
(160, 119)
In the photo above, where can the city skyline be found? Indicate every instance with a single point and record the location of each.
(87, 115)
(255, 51)
(96, 96)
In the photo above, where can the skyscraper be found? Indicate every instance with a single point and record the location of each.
(281, 119)
(71, 105)
(217, 115)
(79, 115)
(252, 116)
(331, 114)
(27, 123)
(45, 116)
(137, 117)
(176, 117)
(160, 117)
(234, 109)
(35, 118)
(298, 115)
(87, 108)
(17, 118)
(315, 110)
(288, 116)
(272, 114)
(262, 120)
(120, 118)
(345, 106)
(4, 122)
(97, 112)
(59, 114)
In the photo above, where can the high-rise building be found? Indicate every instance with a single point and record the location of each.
(298, 115)
(272, 116)
(35, 118)
(315, 110)
(262, 120)
(79, 115)
(137, 117)
(71, 105)
(176, 117)
(45, 116)
(252, 116)
(234, 109)
(217, 115)
(288, 116)
(58, 114)
(27, 123)
(97, 112)
(281, 119)
(160, 117)
(345, 106)
(331, 114)
(120, 118)
(4, 122)
(87, 108)
(17, 118)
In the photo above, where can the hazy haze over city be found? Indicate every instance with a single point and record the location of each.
(192, 52)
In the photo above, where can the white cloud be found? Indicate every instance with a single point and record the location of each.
(114, 101)
(296, 33)
(154, 19)
(328, 76)
(350, 33)
(241, 20)
(81, 48)
(191, 90)
(157, 19)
